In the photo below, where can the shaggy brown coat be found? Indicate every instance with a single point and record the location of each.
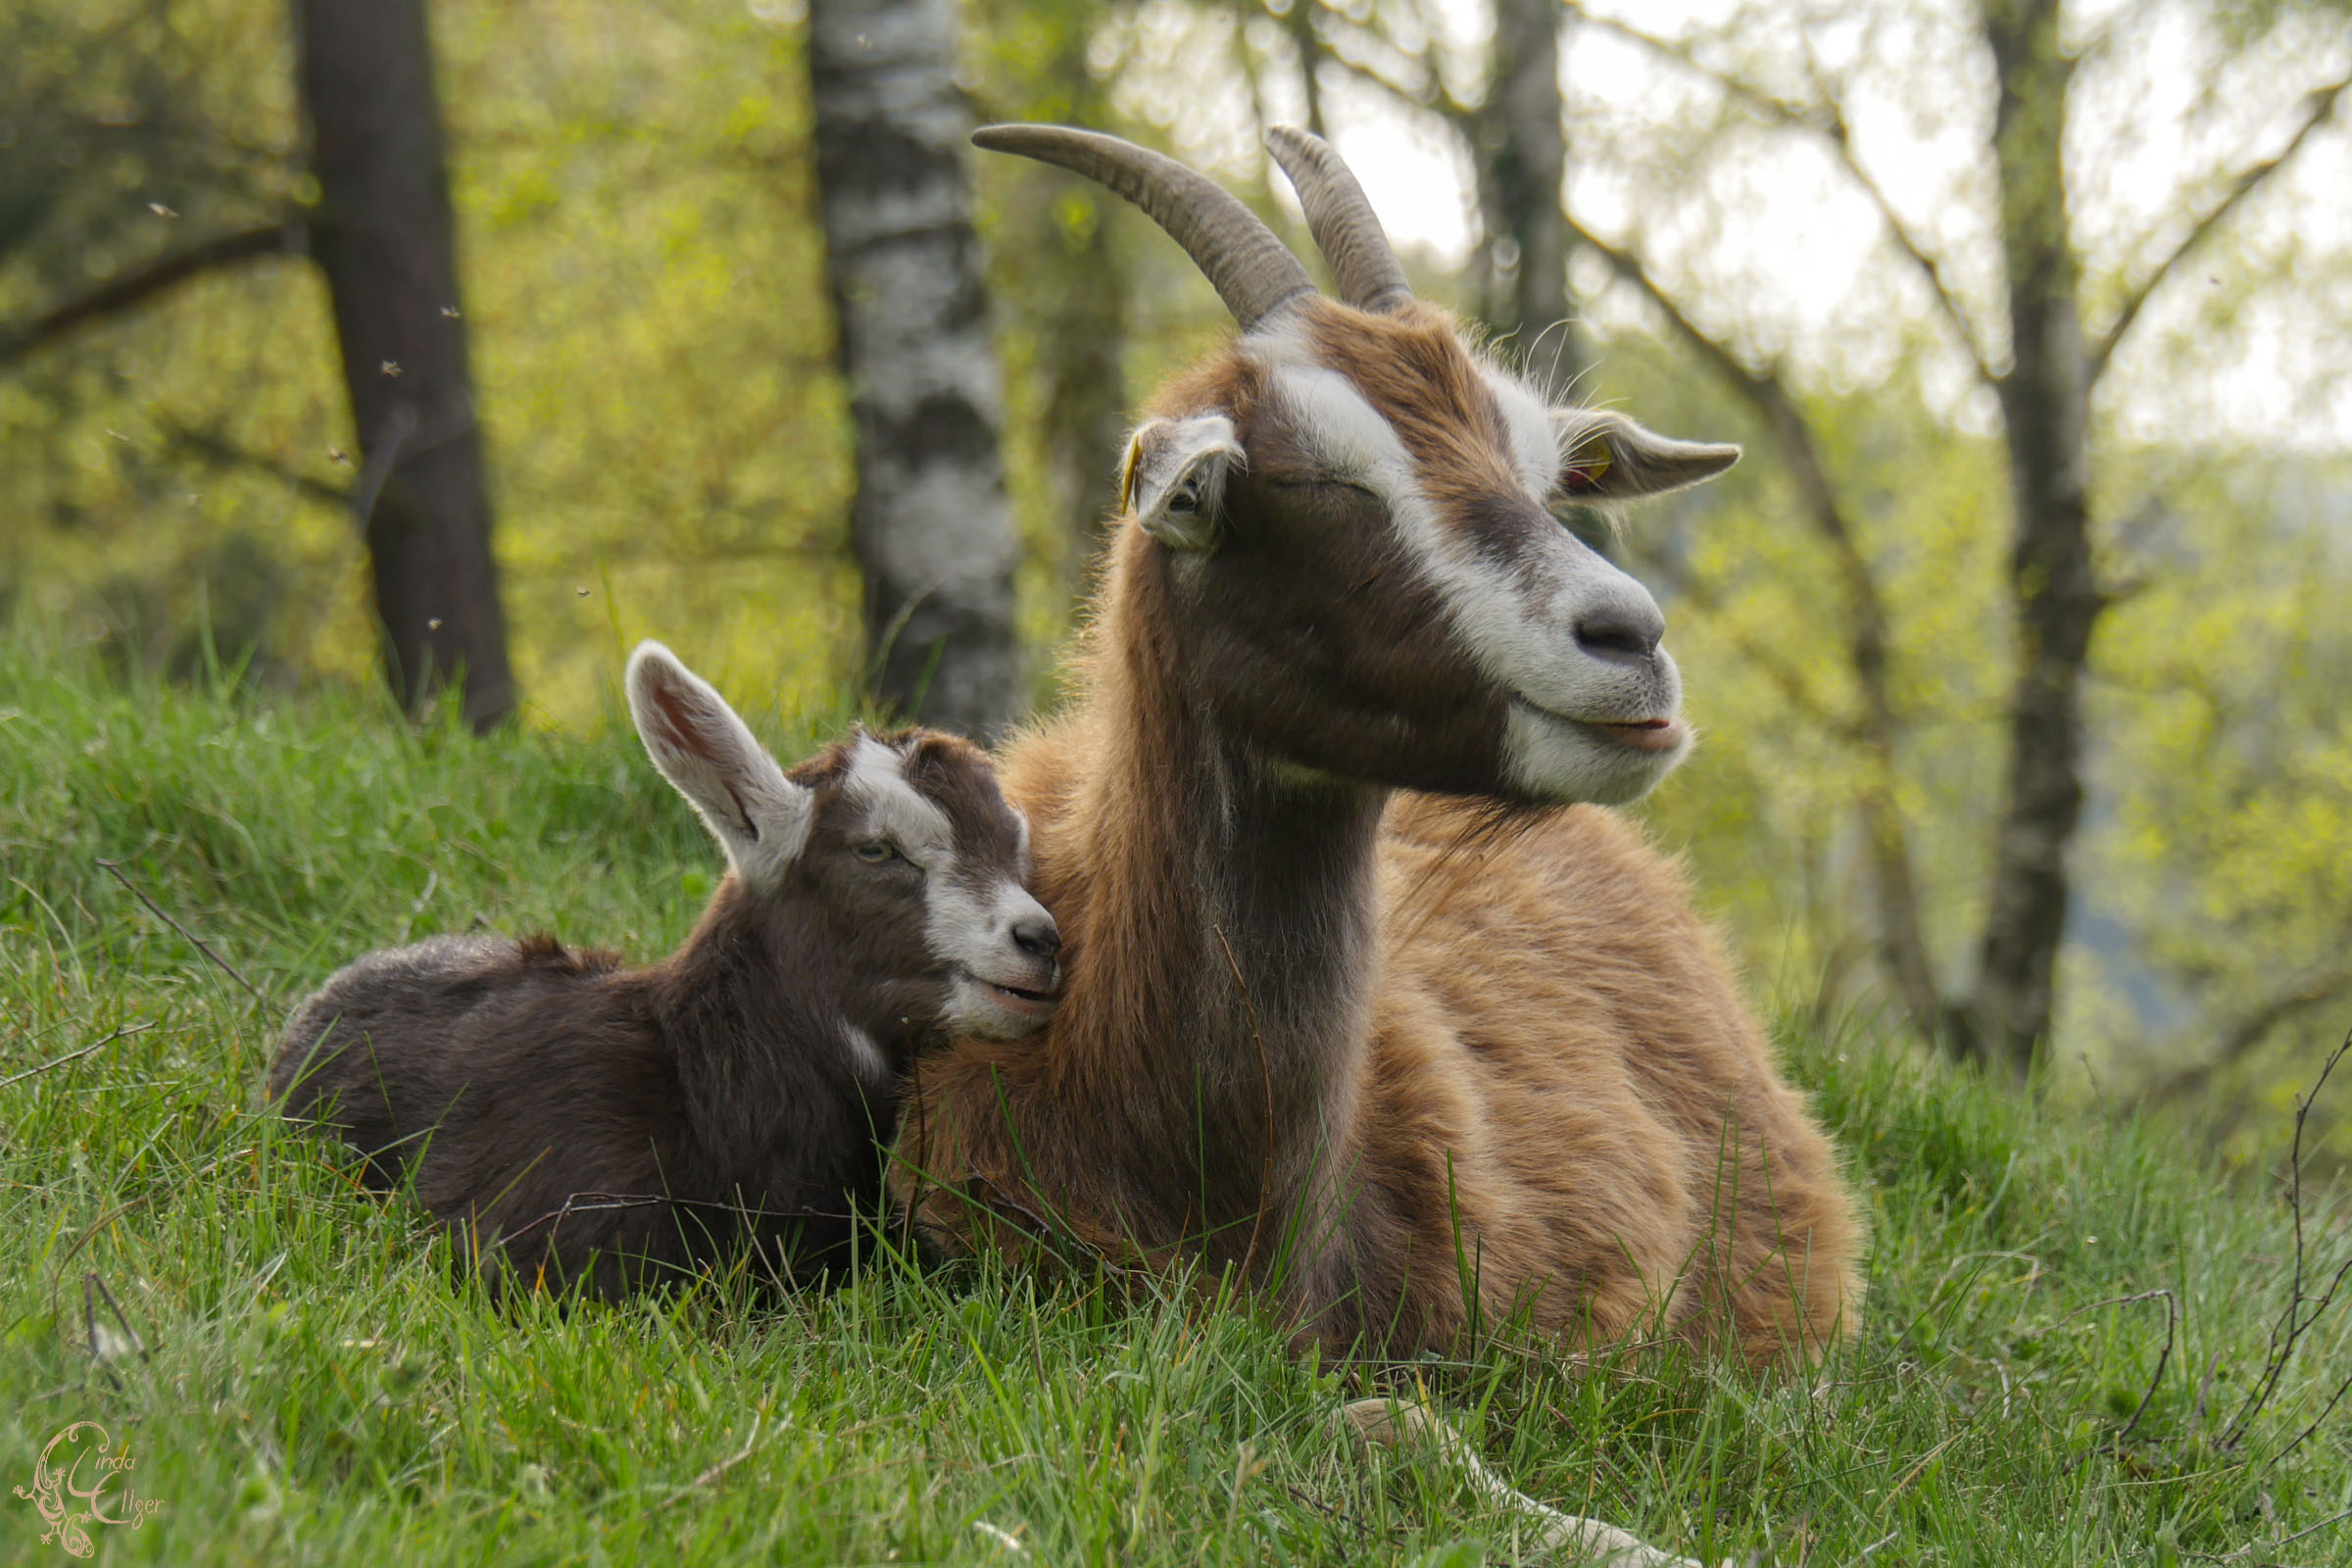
(1408, 1063)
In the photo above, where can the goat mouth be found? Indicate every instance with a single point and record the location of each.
(1645, 735)
(1020, 1000)
(1634, 735)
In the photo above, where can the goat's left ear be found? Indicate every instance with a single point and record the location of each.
(1174, 477)
(1607, 457)
(758, 817)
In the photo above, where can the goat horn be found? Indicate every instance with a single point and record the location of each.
(1346, 229)
(1254, 272)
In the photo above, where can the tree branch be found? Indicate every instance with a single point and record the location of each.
(2318, 106)
(1826, 119)
(1437, 98)
(289, 237)
(2314, 987)
(224, 454)
(1929, 267)
(1902, 942)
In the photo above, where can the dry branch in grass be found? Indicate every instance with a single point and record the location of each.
(2293, 1324)
(1405, 1424)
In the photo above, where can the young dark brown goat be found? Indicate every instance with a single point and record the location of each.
(578, 1119)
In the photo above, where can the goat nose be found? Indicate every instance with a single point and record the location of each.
(1621, 630)
(1037, 935)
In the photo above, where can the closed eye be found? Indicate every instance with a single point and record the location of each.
(1320, 481)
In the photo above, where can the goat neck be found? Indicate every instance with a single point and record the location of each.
(1223, 934)
(761, 970)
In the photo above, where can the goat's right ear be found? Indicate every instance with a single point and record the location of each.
(1174, 477)
(758, 817)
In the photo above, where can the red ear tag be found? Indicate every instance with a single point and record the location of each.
(1591, 467)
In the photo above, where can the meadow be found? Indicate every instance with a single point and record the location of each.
(2084, 1342)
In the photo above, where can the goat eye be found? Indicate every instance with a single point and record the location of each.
(874, 852)
(1323, 481)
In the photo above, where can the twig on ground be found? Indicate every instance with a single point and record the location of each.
(745, 1452)
(1362, 1531)
(2241, 1553)
(1002, 1537)
(1393, 1423)
(75, 1055)
(2172, 1329)
(2292, 1323)
(707, 1476)
(92, 1289)
(2313, 1530)
(202, 945)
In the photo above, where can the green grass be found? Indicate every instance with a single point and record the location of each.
(314, 1390)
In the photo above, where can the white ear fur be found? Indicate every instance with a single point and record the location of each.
(759, 817)
(1174, 477)
(1607, 457)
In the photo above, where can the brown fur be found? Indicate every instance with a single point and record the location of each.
(1360, 1042)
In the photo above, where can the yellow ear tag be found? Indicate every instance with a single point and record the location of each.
(1127, 469)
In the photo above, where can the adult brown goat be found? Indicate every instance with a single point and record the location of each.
(1358, 1001)
(572, 1119)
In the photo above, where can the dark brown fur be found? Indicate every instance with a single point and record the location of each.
(576, 1120)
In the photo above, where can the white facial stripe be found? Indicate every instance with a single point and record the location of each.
(896, 809)
(1535, 450)
(973, 926)
(1519, 619)
(1345, 432)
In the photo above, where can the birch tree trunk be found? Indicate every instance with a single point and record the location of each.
(931, 522)
(2046, 404)
(1522, 151)
(385, 238)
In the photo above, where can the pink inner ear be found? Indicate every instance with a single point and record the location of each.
(1579, 480)
(679, 719)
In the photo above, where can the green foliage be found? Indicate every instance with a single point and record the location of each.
(312, 1388)
(670, 453)
(670, 443)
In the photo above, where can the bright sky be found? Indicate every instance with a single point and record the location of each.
(1773, 226)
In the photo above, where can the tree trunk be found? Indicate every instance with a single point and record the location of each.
(1522, 152)
(385, 238)
(2046, 404)
(1307, 38)
(1071, 287)
(931, 522)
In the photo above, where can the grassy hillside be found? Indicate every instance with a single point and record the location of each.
(311, 1388)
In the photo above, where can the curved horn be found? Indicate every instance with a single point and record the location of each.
(1254, 272)
(1346, 228)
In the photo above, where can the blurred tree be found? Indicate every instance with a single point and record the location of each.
(1511, 120)
(634, 190)
(931, 520)
(1800, 76)
(103, 148)
(1520, 137)
(384, 235)
(1061, 278)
